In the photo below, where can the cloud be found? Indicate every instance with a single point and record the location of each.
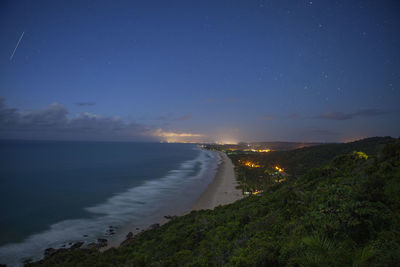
(54, 122)
(335, 116)
(163, 118)
(160, 132)
(170, 136)
(170, 117)
(83, 104)
(370, 112)
(349, 116)
(293, 116)
(184, 118)
(321, 132)
(269, 117)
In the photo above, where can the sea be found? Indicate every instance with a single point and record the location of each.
(56, 193)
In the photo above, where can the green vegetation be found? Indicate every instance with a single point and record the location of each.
(345, 211)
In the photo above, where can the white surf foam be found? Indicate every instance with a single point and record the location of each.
(136, 205)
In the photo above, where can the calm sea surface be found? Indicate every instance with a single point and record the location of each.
(55, 193)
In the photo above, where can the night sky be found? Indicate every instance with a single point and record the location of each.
(200, 70)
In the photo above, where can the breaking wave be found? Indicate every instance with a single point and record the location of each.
(137, 207)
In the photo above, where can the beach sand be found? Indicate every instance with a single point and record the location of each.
(221, 191)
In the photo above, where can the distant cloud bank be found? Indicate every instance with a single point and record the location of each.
(269, 117)
(171, 117)
(348, 116)
(54, 122)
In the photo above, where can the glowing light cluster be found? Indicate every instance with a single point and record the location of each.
(257, 192)
(279, 169)
(360, 155)
(261, 150)
(251, 164)
(280, 180)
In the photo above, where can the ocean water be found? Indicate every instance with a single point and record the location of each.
(56, 193)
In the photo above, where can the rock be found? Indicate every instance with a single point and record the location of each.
(110, 231)
(49, 251)
(137, 228)
(85, 235)
(76, 245)
(93, 245)
(3, 265)
(126, 242)
(25, 261)
(154, 226)
(102, 242)
(129, 235)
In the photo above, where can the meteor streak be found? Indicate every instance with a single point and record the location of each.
(15, 49)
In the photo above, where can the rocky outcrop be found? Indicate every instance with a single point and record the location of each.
(102, 242)
(52, 251)
(129, 235)
(154, 226)
(76, 245)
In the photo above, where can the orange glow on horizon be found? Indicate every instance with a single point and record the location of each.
(227, 142)
(175, 137)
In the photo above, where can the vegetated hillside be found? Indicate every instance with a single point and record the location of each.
(275, 146)
(282, 145)
(344, 213)
(299, 161)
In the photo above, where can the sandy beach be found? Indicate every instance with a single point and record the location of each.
(222, 190)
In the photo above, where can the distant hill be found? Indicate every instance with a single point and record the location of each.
(275, 146)
(299, 161)
(282, 145)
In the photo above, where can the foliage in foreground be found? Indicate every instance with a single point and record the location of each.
(344, 213)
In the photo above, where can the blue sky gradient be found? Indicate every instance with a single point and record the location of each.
(221, 70)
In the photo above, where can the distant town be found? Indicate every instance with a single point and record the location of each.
(256, 147)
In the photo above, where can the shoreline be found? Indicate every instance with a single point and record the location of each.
(220, 191)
